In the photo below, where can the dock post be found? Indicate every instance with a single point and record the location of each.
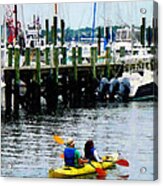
(8, 82)
(8, 93)
(56, 75)
(56, 62)
(62, 32)
(27, 56)
(47, 31)
(47, 52)
(52, 82)
(143, 32)
(52, 34)
(108, 61)
(153, 30)
(36, 92)
(156, 33)
(93, 60)
(55, 30)
(10, 49)
(74, 64)
(64, 53)
(79, 55)
(99, 40)
(27, 62)
(74, 82)
(92, 84)
(17, 79)
(38, 66)
(149, 36)
(63, 46)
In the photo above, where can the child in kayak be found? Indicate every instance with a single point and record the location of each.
(90, 152)
(72, 156)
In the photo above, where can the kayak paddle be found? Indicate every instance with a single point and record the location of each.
(122, 162)
(99, 171)
(59, 140)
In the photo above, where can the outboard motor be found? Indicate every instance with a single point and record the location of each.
(113, 88)
(103, 88)
(124, 90)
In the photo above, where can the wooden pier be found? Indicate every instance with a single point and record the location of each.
(75, 82)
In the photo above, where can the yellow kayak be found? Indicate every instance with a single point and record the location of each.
(88, 168)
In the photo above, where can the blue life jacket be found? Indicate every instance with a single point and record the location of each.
(69, 156)
(90, 155)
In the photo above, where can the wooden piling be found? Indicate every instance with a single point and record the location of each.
(64, 54)
(149, 36)
(36, 84)
(17, 78)
(153, 30)
(108, 60)
(93, 60)
(47, 52)
(38, 66)
(47, 31)
(27, 96)
(10, 55)
(63, 48)
(143, 32)
(8, 82)
(62, 32)
(92, 77)
(55, 30)
(107, 34)
(99, 40)
(8, 93)
(79, 55)
(54, 88)
(51, 82)
(52, 34)
(56, 62)
(74, 64)
(74, 83)
(27, 56)
(156, 32)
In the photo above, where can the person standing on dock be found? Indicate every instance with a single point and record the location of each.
(72, 156)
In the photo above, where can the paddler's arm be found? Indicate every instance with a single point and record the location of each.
(98, 159)
(79, 159)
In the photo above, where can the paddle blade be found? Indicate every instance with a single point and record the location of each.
(101, 172)
(122, 162)
(61, 156)
(58, 139)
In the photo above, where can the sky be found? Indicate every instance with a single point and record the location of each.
(79, 15)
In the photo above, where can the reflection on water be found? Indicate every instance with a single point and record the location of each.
(28, 149)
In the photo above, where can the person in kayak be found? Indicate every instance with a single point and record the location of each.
(91, 152)
(72, 156)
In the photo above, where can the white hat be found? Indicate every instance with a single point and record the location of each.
(70, 141)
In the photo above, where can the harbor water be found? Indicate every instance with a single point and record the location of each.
(28, 148)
